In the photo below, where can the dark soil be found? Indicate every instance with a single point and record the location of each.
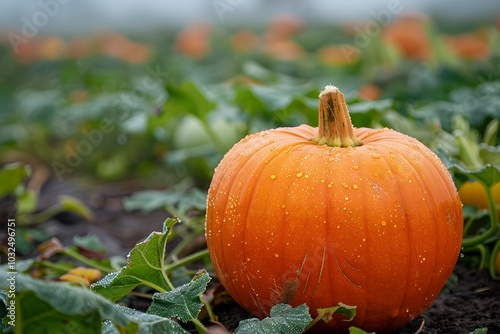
(472, 303)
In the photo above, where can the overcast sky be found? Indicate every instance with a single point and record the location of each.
(72, 16)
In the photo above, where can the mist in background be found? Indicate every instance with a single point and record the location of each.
(77, 17)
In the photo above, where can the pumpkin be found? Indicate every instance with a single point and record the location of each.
(473, 193)
(367, 217)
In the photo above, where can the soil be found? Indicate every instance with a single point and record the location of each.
(472, 302)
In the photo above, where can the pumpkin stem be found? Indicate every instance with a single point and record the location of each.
(335, 126)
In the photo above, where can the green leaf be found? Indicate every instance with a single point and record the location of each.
(145, 266)
(326, 314)
(488, 175)
(183, 302)
(368, 113)
(148, 323)
(90, 242)
(41, 317)
(11, 177)
(187, 99)
(490, 154)
(149, 200)
(367, 106)
(283, 320)
(480, 331)
(355, 330)
(48, 307)
(4, 326)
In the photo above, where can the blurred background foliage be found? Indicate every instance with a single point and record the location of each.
(159, 104)
(167, 105)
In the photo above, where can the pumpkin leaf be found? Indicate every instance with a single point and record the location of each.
(355, 330)
(145, 266)
(187, 99)
(326, 314)
(148, 323)
(488, 175)
(490, 154)
(90, 242)
(369, 113)
(480, 331)
(150, 200)
(283, 320)
(183, 302)
(48, 307)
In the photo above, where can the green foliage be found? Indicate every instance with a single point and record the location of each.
(148, 323)
(183, 302)
(284, 319)
(46, 307)
(11, 177)
(145, 266)
(178, 126)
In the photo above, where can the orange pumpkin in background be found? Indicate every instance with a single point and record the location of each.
(409, 36)
(367, 217)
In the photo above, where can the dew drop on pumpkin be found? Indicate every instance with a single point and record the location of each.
(376, 156)
(354, 186)
(355, 167)
(345, 185)
(276, 255)
(384, 223)
(273, 177)
(300, 174)
(329, 185)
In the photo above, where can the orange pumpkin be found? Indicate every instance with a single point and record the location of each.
(366, 217)
(473, 193)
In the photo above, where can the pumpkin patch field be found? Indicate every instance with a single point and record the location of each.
(288, 177)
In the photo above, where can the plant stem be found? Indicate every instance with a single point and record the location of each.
(29, 219)
(77, 256)
(334, 122)
(185, 260)
(54, 266)
(494, 224)
(493, 259)
(199, 326)
(186, 241)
